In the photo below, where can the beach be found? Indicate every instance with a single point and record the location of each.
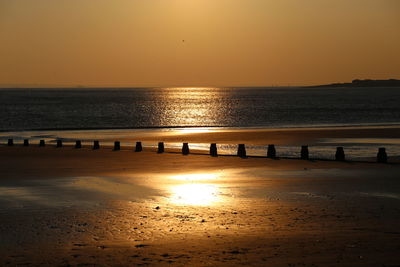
(361, 143)
(199, 133)
(76, 207)
(278, 136)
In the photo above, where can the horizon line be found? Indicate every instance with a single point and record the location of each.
(81, 86)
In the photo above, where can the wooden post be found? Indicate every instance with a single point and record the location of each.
(59, 143)
(160, 147)
(42, 143)
(78, 144)
(138, 147)
(339, 156)
(26, 142)
(117, 146)
(10, 142)
(96, 144)
(185, 149)
(381, 157)
(304, 152)
(213, 150)
(241, 151)
(271, 152)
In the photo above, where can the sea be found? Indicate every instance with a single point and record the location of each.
(53, 112)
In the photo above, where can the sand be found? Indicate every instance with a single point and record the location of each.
(75, 207)
(279, 136)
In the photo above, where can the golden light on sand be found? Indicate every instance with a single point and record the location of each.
(194, 130)
(193, 189)
(196, 177)
(194, 194)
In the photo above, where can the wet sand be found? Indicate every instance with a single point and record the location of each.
(75, 207)
(279, 136)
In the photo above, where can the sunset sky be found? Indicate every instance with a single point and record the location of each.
(197, 42)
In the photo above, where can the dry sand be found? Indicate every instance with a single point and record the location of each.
(75, 207)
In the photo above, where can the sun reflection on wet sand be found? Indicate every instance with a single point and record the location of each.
(194, 194)
(195, 189)
(194, 130)
(196, 177)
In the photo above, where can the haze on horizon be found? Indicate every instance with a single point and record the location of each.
(197, 42)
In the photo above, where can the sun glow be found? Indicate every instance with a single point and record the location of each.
(195, 130)
(195, 194)
(196, 177)
(198, 189)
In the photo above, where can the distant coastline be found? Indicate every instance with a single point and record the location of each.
(362, 83)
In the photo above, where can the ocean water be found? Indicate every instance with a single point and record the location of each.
(38, 109)
(70, 114)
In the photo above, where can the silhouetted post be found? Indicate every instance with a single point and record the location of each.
(185, 149)
(26, 142)
(160, 147)
(271, 152)
(42, 143)
(78, 144)
(381, 156)
(304, 152)
(241, 151)
(10, 142)
(96, 144)
(213, 150)
(138, 147)
(117, 146)
(339, 156)
(59, 143)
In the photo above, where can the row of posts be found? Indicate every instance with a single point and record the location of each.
(241, 152)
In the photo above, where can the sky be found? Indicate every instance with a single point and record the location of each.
(110, 43)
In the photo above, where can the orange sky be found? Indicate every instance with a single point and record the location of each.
(226, 42)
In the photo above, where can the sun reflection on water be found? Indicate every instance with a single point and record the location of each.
(192, 106)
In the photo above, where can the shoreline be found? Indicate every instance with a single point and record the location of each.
(218, 134)
(360, 143)
(217, 127)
